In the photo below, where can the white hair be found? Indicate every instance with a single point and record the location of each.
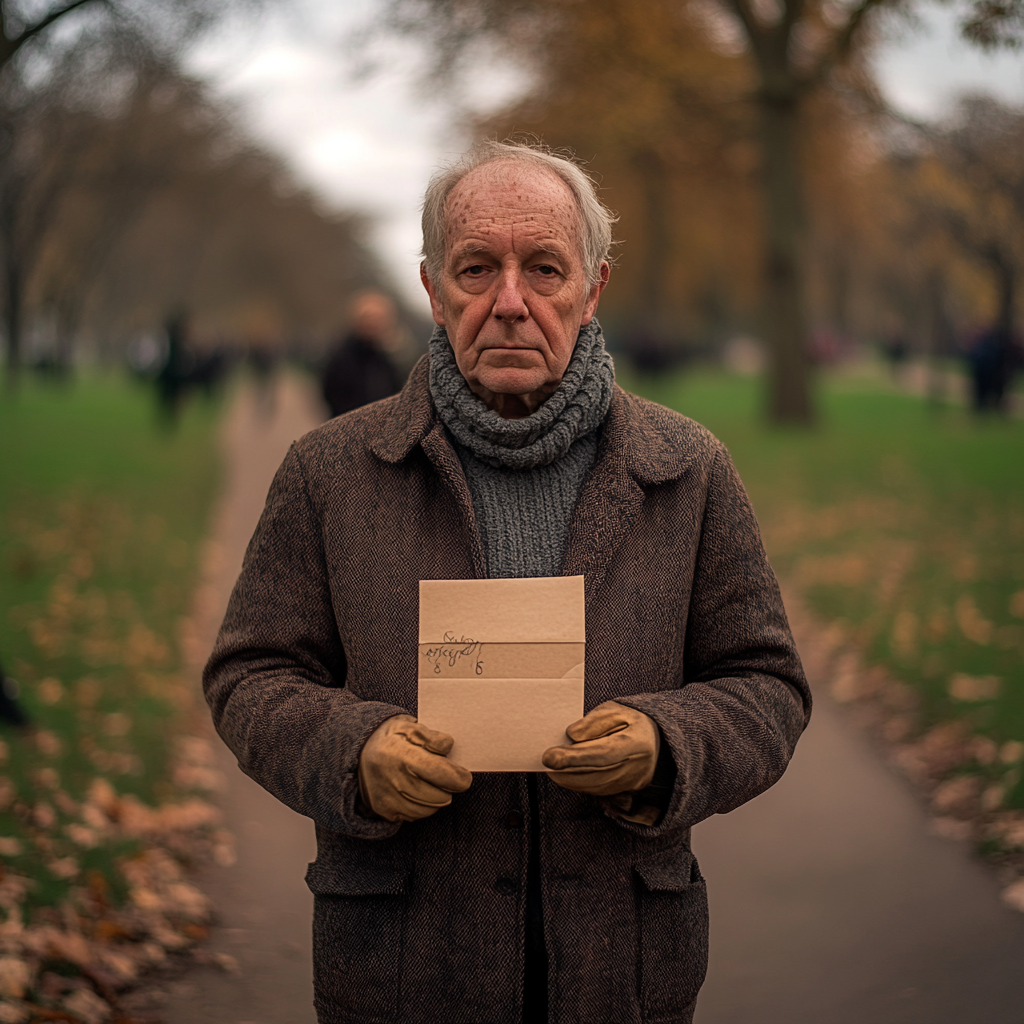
(596, 219)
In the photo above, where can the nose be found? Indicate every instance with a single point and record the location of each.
(509, 304)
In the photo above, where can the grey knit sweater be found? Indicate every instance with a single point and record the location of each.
(525, 475)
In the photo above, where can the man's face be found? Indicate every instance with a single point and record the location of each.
(513, 293)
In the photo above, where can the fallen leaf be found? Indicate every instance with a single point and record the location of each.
(957, 797)
(974, 688)
(88, 1006)
(1013, 895)
(44, 815)
(14, 1014)
(64, 867)
(48, 743)
(972, 623)
(50, 690)
(15, 976)
(1011, 752)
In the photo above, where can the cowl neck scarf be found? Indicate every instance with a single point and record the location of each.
(577, 407)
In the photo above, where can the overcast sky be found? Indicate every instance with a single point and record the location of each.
(371, 145)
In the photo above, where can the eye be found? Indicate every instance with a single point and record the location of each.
(546, 270)
(476, 270)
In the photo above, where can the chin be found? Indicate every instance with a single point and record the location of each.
(513, 380)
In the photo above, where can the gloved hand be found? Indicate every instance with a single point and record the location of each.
(614, 750)
(404, 771)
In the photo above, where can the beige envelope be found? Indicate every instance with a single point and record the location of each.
(501, 667)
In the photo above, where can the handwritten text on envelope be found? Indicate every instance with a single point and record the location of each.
(501, 667)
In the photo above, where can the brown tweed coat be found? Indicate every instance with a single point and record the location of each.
(424, 923)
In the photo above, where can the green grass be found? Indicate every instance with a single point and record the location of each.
(102, 510)
(902, 525)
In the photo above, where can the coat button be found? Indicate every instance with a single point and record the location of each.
(505, 886)
(514, 819)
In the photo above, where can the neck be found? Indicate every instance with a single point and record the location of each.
(513, 407)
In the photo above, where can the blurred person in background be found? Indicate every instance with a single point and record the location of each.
(187, 368)
(173, 377)
(896, 352)
(361, 370)
(263, 355)
(994, 359)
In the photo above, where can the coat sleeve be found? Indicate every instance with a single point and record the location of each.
(275, 681)
(734, 721)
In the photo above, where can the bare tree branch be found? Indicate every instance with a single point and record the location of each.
(44, 23)
(752, 26)
(793, 11)
(10, 45)
(994, 24)
(844, 40)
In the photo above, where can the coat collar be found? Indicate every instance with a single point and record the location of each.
(405, 419)
(639, 437)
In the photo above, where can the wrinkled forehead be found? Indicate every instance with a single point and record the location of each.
(517, 191)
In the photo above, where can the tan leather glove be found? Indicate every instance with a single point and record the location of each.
(404, 771)
(614, 750)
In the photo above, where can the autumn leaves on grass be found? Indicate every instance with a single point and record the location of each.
(954, 732)
(92, 874)
(901, 534)
(104, 796)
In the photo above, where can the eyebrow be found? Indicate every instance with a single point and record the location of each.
(470, 249)
(478, 249)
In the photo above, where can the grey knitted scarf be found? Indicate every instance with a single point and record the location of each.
(575, 409)
(525, 475)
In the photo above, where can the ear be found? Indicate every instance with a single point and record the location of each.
(594, 295)
(436, 306)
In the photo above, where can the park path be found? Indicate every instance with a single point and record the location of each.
(263, 907)
(831, 903)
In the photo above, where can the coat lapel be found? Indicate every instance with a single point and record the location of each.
(444, 459)
(633, 453)
(412, 421)
(609, 503)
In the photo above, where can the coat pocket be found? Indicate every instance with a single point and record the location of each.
(358, 912)
(673, 911)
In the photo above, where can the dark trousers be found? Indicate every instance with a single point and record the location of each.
(535, 983)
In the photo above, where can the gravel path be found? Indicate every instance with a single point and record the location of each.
(830, 901)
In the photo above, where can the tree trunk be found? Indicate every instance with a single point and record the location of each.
(1006, 288)
(940, 339)
(654, 179)
(1006, 283)
(650, 340)
(785, 318)
(839, 288)
(12, 319)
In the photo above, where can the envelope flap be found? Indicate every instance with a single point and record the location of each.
(547, 609)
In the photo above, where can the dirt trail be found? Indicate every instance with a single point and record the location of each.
(264, 908)
(830, 901)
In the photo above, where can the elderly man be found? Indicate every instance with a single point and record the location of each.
(570, 896)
